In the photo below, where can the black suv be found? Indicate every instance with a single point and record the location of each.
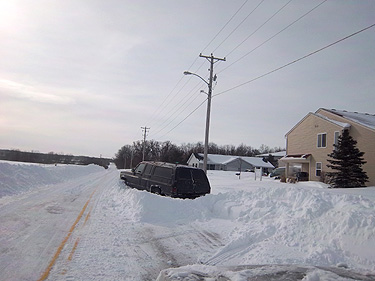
(168, 179)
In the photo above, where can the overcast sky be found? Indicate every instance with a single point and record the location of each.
(83, 77)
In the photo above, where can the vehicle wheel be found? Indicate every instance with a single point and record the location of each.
(155, 190)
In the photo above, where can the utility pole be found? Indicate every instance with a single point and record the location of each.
(212, 60)
(144, 129)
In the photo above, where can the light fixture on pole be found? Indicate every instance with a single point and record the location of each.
(209, 84)
(212, 60)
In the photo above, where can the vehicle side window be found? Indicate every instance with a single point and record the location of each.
(140, 168)
(148, 169)
(163, 172)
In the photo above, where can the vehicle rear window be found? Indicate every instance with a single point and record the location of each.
(163, 172)
(184, 173)
(199, 174)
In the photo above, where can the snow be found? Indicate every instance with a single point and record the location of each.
(127, 234)
(17, 177)
(365, 119)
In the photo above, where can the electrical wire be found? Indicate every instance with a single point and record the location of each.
(184, 118)
(272, 71)
(163, 105)
(239, 24)
(239, 9)
(177, 108)
(273, 36)
(295, 61)
(247, 38)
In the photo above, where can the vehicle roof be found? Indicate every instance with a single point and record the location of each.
(168, 165)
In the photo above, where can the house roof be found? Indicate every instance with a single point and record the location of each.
(225, 159)
(274, 154)
(365, 119)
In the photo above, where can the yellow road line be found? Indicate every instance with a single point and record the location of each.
(73, 250)
(59, 249)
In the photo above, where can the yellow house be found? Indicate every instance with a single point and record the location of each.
(310, 141)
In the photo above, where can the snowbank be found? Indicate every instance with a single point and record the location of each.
(268, 222)
(16, 177)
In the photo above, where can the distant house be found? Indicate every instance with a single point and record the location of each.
(276, 155)
(228, 162)
(310, 141)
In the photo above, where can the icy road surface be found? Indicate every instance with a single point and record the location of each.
(92, 227)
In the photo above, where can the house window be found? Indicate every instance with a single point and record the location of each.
(336, 140)
(322, 140)
(211, 167)
(318, 169)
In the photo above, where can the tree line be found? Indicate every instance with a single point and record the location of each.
(129, 156)
(51, 158)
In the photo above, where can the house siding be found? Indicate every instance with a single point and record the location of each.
(365, 138)
(303, 139)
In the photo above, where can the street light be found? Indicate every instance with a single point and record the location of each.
(209, 95)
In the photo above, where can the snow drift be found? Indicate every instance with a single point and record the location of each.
(18, 177)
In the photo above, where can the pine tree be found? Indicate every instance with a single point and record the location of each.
(347, 160)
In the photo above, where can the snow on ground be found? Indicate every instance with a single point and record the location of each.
(18, 177)
(127, 234)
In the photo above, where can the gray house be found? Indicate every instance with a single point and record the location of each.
(229, 162)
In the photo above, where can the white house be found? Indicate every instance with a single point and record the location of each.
(276, 155)
(229, 162)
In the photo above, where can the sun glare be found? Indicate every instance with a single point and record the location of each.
(8, 14)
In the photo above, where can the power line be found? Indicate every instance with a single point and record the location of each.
(297, 60)
(177, 110)
(240, 24)
(222, 28)
(185, 118)
(270, 72)
(247, 38)
(167, 98)
(159, 109)
(273, 36)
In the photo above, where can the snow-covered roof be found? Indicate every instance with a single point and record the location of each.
(225, 159)
(365, 119)
(274, 154)
(341, 124)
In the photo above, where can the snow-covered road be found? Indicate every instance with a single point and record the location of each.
(92, 227)
(34, 224)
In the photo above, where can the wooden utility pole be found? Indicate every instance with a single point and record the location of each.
(212, 60)
(144, 129)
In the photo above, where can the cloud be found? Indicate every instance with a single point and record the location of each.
(28, 92)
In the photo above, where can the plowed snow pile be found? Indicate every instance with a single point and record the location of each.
(268, 222)
(17, 177)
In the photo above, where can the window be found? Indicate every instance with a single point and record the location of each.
(210, 166)
(318, 169)
(322, 140)
(163, 172)
(148, 169)
(140, 168)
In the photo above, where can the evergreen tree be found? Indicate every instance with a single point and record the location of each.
(347, 162)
